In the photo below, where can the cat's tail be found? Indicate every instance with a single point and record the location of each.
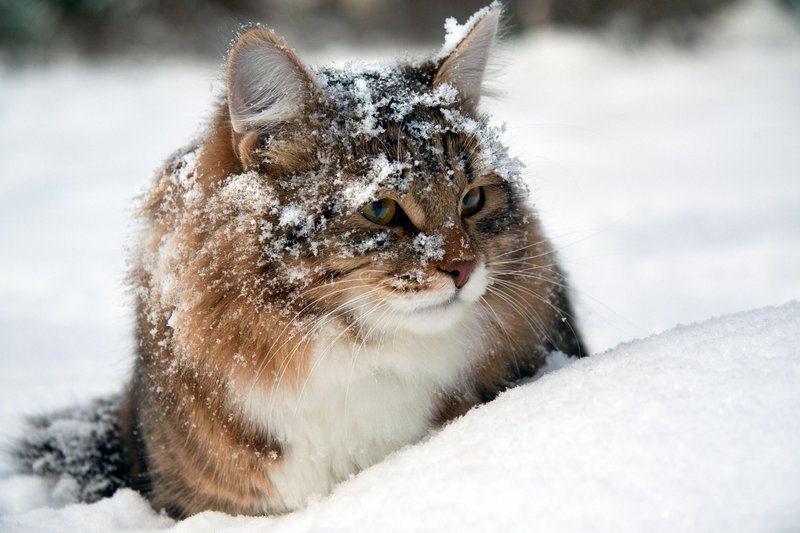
(79, 448)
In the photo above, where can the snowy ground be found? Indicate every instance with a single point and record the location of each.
(670, 178)
(692, 430)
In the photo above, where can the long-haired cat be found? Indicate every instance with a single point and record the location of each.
(347, 260)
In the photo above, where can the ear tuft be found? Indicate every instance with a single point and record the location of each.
(267, 83)
(465, 63)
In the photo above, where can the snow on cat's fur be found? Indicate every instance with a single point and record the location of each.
(345, 261)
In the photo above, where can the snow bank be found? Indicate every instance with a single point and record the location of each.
(695, 429)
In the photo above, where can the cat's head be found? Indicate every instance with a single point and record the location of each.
(383, 190)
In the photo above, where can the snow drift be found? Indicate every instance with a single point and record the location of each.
(695, 429)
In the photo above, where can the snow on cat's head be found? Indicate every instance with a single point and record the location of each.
(379, 188)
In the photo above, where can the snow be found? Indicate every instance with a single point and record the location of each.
(695, 429)
(668, 181)
(430, 246)
(455, 32)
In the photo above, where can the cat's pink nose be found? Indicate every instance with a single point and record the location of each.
(460, 270)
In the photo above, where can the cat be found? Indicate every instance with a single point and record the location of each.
(346, 261)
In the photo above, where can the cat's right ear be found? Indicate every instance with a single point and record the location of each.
(267, 83)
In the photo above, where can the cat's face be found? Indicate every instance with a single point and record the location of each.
(390, 198)
(396, 214)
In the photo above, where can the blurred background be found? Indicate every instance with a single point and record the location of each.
(46, 28)
(661, 141)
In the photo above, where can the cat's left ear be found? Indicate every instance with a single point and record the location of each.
(465, 65)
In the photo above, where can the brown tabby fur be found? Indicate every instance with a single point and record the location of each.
(190, 445)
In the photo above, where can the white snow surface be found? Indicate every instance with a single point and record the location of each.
(695, 429)
(667, 178)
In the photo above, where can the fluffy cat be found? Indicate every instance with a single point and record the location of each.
(346, 261)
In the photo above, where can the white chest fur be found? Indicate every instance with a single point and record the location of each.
(359, 404)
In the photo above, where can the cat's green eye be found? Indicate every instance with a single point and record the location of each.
(472, 202)
(381, 211)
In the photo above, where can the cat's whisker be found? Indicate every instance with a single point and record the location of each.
(566, 317)
(499, 321)
(550, 251)
(351, 285)
(324, 352)
(525, 262)
(584, 295)
(521, 248)
(506, 270)
(298, 314)
(320, 322)
(502, 274)
(274, 350)
(311, 304)
(559, 281)
(505, 331)
(528, 313)
(590, 233)
(517, 286)
(511, 339)
(526, 259)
